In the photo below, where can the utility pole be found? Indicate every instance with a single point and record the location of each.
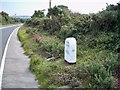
(49, 4)
(15, 16)
(50, 8)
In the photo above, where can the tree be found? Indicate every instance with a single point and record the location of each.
(38, 14)
(5, 16)
(59, 10)
(65, 10)
(55, 11)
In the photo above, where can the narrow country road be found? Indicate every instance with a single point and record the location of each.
(14, 71)
(4, 35)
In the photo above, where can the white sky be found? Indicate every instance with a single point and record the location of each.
(27, 7)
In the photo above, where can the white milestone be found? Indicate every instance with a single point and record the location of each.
(70, 50)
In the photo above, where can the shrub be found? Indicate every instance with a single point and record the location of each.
(67, 31)
(111, 62)
(39, 14)
(99, 76)
(53, 48)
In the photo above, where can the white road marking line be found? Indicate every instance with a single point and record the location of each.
(4, 55)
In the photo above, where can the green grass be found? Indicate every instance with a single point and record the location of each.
(94, 67)
(0, 24)
(8, 24)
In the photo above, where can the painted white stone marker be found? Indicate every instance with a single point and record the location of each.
(70, 50)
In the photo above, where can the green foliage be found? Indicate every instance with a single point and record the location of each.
(111, 62)
(52, 26)
(97, 47)
(58, 11)
(65, 10)
(67, 31)
(43, 70)
(97, 75)
(5, 19)
(38, 14)
(55, 11)
(53, 48)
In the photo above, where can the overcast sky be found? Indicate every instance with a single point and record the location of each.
(27, 7)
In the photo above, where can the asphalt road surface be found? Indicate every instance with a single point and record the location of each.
(16, 68)
(4, 35)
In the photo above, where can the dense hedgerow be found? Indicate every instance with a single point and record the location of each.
(98, 48)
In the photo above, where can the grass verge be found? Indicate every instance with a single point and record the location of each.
(1, 24)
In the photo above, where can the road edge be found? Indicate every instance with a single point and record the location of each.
(4, 55)
(9, 26)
